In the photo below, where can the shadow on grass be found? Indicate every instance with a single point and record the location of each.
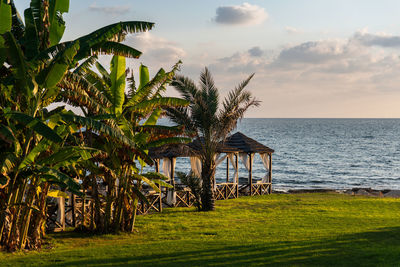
(381, 247)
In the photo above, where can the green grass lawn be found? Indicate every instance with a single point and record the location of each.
(304, 229)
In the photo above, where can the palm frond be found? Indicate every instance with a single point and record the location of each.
(182, 116)
(98, 126)
(186, 87)
(113, 48)
(148, 105)
(85, 65)
(111, 32)
(78, 83)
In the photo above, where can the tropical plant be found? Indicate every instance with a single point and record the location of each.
(135, 113)
(39, 148)
(193, 182)
(211, 123)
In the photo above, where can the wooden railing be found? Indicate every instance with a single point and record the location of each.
(255, 189)
(155, 203)
(226, 191)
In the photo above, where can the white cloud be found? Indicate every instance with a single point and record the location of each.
(292, 30)
(244, 14)
(157, 51)
(110, 10)
(324, 78)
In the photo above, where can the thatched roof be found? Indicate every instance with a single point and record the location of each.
(222, 148)
(237, 142)
(172, 151)
(246, 144)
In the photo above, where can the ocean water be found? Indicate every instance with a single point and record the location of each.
(323, 153)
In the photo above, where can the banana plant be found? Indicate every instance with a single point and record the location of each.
(136, 113)
(38, 147)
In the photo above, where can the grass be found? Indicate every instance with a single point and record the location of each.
(294, 230)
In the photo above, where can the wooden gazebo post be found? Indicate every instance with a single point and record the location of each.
(250, 175)
(159, 186)
(270, 173)
(237, 166)
(172, 173)
(227, 169)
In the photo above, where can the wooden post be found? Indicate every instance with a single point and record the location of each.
(158, 170)
(237, 182)
(61, 212)
(73, 210)
(270, 173)
(227, 169)
(172, 173)
(251, 175)
(157, 166)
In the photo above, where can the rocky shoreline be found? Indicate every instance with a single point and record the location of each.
(354, 191)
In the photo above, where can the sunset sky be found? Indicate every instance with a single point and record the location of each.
(312, 58)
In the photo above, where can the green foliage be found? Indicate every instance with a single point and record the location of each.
(117, 89)
(194, 183)
(208, 121)
(39, 148)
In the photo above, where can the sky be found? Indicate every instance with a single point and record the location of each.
(311, 58)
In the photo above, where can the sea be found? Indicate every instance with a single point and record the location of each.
(322, 153)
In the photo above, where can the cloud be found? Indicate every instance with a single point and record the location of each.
(292, 30)
(320, 78)
(312, 52)
(255, 51)
(383, 40)
(157, 51)
(244, 14)
(110, 10)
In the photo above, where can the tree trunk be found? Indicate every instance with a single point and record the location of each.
(39, 220)
(207, 194)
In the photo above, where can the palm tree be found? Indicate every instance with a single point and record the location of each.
(211, 123)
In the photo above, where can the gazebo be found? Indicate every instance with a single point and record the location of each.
(236, 146)
(247, 148)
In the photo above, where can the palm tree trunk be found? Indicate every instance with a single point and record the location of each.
(207, 194)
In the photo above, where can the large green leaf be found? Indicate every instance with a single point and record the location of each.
(86, 64)
(144, 76)
(34, 153)
(96, 125)
(6, 134)
(140, 195)
(31, 38)
(147, 181)
(3, 51)
(152, 119)
(57, 24)
(5, 17)
(154, 103)
(105, 75)
(66, 153)
(52, 75)
(113, 31)
(147, 89)
(54, 176)
(112, 48)
(117, 77)
(19, 64)
(34, 124)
